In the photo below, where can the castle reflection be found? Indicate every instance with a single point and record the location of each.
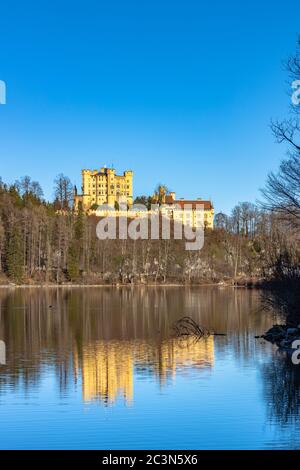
(107, 367)
(104, 339)
(108, 348)
(107, 371)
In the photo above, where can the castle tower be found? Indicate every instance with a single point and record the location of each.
(104, 187)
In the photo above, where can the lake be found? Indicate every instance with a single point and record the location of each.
(100, 368)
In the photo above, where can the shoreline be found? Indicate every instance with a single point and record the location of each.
(118, 286)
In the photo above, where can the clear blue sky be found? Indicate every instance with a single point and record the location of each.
(180, 91)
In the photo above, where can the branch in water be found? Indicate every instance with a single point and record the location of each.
(186, 326)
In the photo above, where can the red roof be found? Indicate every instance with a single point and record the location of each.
(193, 203)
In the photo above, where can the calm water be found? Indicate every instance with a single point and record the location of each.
(100, 369)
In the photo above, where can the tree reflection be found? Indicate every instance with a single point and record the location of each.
(100, 337)
(281, 379)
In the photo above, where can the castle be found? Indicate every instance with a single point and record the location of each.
(194, 212)
(105, 187)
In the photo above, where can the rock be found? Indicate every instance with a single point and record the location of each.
(284, 343)
(292, 331)
(282, 335)
(276, 330)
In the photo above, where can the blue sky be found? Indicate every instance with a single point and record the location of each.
(180, 91)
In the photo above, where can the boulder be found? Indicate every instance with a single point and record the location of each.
(292, 331)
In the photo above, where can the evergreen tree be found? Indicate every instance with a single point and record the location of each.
(73, 261)
(79, 224)
(14, 256)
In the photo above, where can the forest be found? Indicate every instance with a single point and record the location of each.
(47, 242)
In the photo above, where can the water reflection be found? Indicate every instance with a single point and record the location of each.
(281, 379)
(107, 367)
(104, 344)
(107, 371)
(103, 334)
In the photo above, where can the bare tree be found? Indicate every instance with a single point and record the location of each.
(63, 192)
(36, 190)
(282, 191)
(221, 221)
(28, 188)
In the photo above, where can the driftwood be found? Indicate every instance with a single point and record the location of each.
(186, 326)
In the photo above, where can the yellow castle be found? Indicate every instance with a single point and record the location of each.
(104, 186)
(194, 212)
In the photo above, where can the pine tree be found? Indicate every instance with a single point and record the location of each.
(14, 255)
(79, 224)
(73, 261)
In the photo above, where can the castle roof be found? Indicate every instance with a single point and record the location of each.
(191, 202)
